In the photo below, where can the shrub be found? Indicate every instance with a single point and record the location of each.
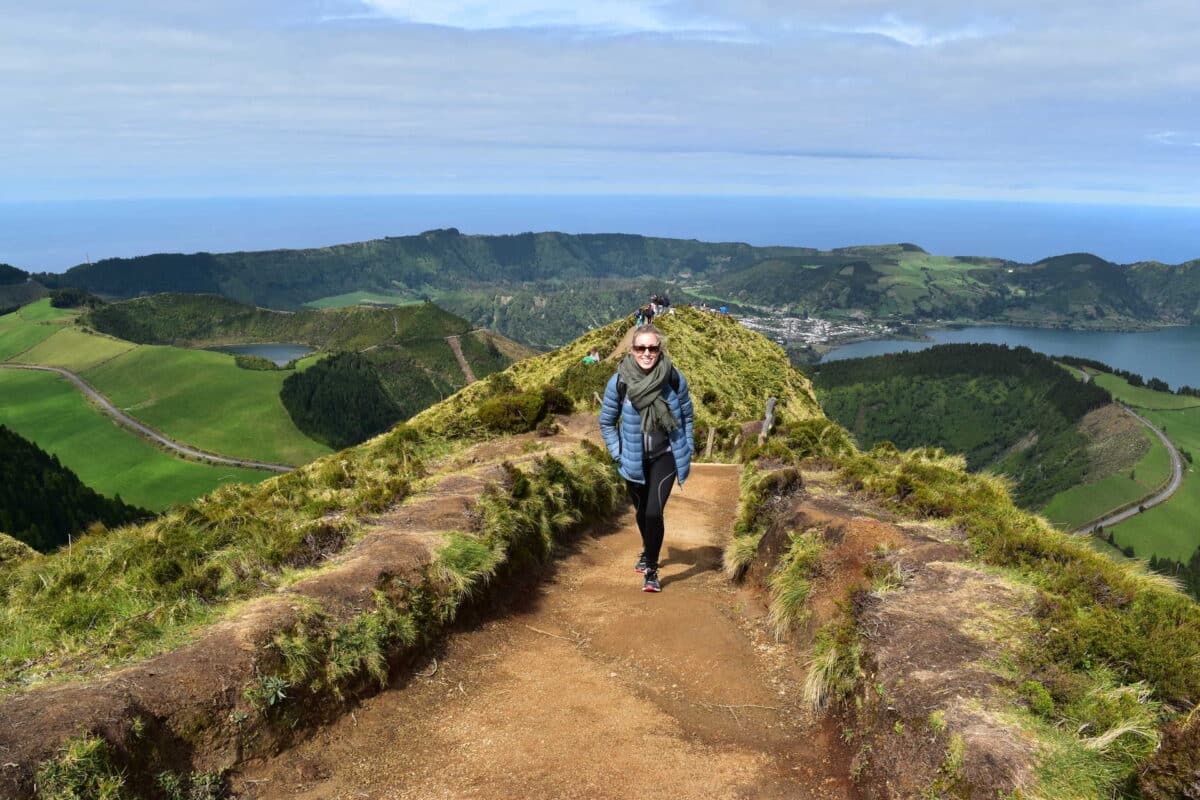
(247, 361)
(517, 412)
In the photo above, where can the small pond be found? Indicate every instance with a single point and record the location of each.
(280, 353)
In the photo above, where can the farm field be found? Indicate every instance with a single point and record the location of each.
(196, 397)
(17, 335)
(202, 398)
(51, 412)
(73, 349)
(1173, 528)
(1140, 396)
(1075, 507)
(358, 298)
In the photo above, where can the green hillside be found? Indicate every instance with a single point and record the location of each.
(43, 504)
(547, 288)
(51, 412)
(1011, 411)
(1079, 670)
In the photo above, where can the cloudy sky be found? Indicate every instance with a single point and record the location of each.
(1017, 100)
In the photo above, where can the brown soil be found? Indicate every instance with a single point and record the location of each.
(586, 687)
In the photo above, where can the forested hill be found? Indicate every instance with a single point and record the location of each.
(1011, 410)
(440, 260)
(42, 502)
(546, 288)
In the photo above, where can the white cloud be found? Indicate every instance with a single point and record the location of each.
(914, 35)
(616, 16)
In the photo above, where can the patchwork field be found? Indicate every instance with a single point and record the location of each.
(50, 411)
(202, 398)
(197, 397)
(360, 298)
(1081, 504)
(1171, 529)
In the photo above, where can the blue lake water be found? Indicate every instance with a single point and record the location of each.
(281, 354)
(1172, 354)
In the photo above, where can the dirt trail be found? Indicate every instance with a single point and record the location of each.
(456, 346)
(586, 687)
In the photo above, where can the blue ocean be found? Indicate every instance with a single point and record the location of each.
(55, 236)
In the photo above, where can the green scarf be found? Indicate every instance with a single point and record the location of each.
(644, 390)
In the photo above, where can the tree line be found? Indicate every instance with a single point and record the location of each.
(1007, 409)
(43, 503)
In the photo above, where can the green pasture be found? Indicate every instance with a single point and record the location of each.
(17, 335)
(1079, 505)
(202, 398)
(50, 411)
(76, 350)
(359, 298)
(1173, 528)
(42, 311)
(1140, 396)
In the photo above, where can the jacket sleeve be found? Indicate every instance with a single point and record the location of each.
(610, 412)
(688, 412)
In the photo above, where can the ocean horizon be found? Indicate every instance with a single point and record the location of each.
(54, 236)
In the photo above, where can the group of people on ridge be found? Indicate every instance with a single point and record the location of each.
(659, 304)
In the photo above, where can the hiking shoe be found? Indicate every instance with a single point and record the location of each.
(640, 566)
(651, 584)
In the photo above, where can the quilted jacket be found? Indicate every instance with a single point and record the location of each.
(622, 430)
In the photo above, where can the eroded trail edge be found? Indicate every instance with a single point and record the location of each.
(584, 686)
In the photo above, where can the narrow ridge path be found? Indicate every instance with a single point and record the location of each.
(144, 430)
(586, 687)
(456, 346)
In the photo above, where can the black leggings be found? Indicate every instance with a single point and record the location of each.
(649, 499)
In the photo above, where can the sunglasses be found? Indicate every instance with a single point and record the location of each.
(645, 348)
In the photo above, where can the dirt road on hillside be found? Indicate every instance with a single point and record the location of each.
(586, 687)
(144, 430)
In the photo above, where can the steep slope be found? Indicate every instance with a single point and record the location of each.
(984, 649)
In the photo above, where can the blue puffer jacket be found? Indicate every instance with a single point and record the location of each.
(625, 445)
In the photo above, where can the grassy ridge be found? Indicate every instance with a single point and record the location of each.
(106, 457)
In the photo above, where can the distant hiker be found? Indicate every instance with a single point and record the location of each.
(724, 309)
(641, 317)
(648, 317)
(666, 304)
(646, 419)
(592, 357)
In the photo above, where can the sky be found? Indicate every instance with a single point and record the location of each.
(1069, 102)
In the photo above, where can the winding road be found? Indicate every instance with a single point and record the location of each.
(143, 430)
(1159, 497)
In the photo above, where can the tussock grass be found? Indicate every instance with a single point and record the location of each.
(791, 582)
(517, 522)
(128, 592)
(82, 770)
(835, 667)
(761, 495)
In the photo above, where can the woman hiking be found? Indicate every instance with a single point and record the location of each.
(646, 419)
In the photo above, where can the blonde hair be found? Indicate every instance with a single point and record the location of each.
(662, 340)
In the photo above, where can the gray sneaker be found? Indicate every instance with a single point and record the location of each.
(651, 584)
